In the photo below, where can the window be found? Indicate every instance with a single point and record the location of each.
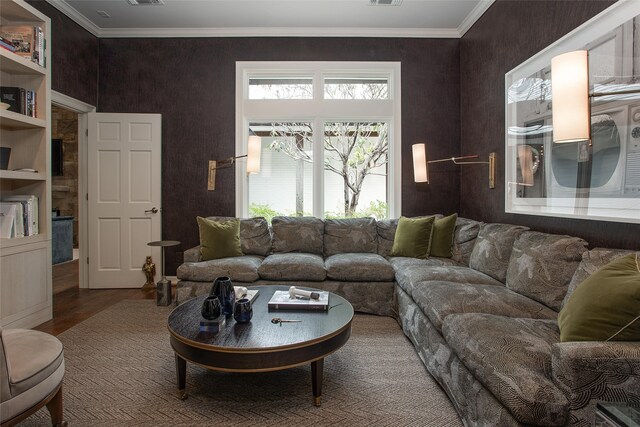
(330, 139)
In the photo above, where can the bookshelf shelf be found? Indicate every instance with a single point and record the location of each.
(25, 262)
(12, 120)
(15, 64)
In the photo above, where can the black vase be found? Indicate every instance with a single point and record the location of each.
(242, 311)
(223, 289)
(211, 307)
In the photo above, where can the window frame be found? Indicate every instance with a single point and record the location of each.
(318, 111)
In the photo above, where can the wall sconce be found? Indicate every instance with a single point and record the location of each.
(421, 164)
(254, 151)
(570, 97)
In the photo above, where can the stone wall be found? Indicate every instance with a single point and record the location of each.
(64, 189)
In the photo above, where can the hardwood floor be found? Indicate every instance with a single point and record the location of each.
(72, 305)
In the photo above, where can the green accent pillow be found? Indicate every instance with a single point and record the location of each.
(413, 237)
(442, 237)
(606, 306)
(219, 239)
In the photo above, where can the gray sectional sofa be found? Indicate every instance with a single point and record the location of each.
(484, 322)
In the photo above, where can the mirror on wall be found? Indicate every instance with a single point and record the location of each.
(596, 178)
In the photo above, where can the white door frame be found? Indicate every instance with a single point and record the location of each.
(82, 108)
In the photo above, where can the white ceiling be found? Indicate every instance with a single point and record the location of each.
(211, 18)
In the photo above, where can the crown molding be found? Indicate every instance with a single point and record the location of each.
(279, 32)
(473, 16)
(76, 16)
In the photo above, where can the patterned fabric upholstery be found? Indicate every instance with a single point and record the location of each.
(440, 299)
(386, 229)
(255, 238)
(588, 372)
(293, 266)
(241, 269)
(511, 358)
(297, 234)
(400, 263)
(355, 267)
(464, 239)
(492, 250)
(542, 266)
(592, 261)
(351, 235)
(409, 277)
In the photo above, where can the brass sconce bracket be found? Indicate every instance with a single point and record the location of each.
(491, 163)
(220, 164)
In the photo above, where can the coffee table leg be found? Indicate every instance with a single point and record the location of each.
(181, 373)
(317, 369)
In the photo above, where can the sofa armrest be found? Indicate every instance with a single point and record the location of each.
(589, 372)
(192, 255)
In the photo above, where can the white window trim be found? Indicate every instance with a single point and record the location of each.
(318, 111)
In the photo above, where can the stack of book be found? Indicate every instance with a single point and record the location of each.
(282, 300)
(19, 99)
(24, 40)
(18, 216)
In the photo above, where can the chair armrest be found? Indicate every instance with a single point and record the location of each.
(192, 255)
(589, 372)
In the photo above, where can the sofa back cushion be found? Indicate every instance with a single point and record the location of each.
(297, 234)
(386, 229)
(591, 262)
(255, 238)
(542, 265)
(350, 235)
(492, 251)
(464, 239)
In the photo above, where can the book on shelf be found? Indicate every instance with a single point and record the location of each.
(281, 300)
(27, 41)
(30, 219)
(7, 220)
(6, 44)
(19, 99)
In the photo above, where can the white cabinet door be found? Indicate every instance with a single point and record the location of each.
(124, 197)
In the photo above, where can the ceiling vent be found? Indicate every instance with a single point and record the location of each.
(385, 2)
(103, 13)
(145, 2)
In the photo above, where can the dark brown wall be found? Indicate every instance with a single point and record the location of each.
(74, 56)
(507, 34)
(191, 82)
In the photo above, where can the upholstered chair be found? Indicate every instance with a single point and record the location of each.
(31, 373)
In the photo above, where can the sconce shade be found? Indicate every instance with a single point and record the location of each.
(254, 151)
(420, 171)
(525, 158)
(570, 97)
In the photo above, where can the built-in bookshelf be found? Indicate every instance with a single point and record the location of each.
(25, 262)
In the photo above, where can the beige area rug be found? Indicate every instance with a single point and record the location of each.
(120, 371)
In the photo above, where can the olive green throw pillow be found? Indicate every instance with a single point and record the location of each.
(413, 237)
(606, 306)
(219, 239)
(442, 237)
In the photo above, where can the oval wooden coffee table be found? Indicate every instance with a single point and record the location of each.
(260, 346)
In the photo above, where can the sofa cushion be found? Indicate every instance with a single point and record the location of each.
(512, 358)
(359, 268)
(442, 237)
(464, 239)
(255, 238)
(591, 262)
(350, 235)
(492, 251)
(219, 239)
(413, 237)
(606, 305)
(409, 277)
(297, 234)
(386, 229)
(240, 269)
(400, 263)
(439, 299)
(31, 356)
(542, 266)
(293, 266)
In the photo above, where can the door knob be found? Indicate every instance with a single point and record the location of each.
(152, 210)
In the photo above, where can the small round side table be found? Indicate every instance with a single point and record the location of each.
(163, 287)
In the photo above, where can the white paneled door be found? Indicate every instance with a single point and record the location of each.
(124, 197)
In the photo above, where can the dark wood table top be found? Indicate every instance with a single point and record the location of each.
(260, 334)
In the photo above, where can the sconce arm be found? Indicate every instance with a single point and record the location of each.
(227, 163)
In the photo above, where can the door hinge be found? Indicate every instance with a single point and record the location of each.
(86, 132)
(87, 196)
(87, 260)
